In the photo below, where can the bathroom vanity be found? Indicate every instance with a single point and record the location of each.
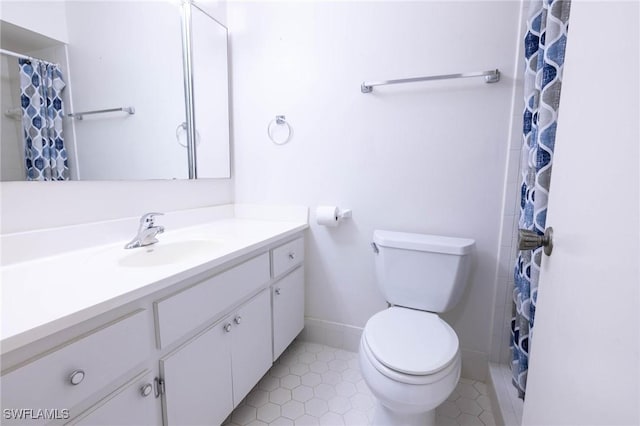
(175, 333)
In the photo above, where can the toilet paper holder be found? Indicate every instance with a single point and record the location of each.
(344, 214)
(331, 216)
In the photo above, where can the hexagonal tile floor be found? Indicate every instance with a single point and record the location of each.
(312, 384)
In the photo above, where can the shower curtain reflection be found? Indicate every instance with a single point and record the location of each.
(41, 85)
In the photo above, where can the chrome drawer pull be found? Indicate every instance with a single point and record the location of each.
(76, 377)
(145, 390)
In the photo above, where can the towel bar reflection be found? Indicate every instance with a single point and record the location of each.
(80, 115)
(491, 76)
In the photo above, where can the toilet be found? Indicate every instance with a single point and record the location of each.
(410, 357)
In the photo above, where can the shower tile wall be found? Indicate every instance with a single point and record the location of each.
(506, 260)
(500, 352)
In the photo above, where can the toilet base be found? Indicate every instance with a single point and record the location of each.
(383, 416)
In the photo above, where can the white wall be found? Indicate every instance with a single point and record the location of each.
(38, 205)
(37, 16)
(425, 157)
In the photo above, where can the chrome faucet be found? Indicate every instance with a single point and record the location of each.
(147, 232)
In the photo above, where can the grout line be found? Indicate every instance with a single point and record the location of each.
(316, 384)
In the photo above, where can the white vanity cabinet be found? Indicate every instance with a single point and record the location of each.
(207, 377)
(287, 293)
(287, 256)
(250, 344)
(184, 354)
(63, 377)
(288, 310)
(197, 380)
(178, 314)
(133, 404)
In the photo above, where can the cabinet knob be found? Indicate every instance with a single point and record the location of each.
(227, 327)
(237, 319)
(292, 255)
(278, 291)
(76, 377)
(146, 389)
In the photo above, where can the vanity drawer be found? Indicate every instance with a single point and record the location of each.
(97, 360)
(133, 404)
(287, 256)
(180, 313)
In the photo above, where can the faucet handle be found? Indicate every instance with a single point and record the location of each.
(147, 218)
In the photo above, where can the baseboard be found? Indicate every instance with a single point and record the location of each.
(474, 365)
(507, 407)
(347, 337)
(330, 333)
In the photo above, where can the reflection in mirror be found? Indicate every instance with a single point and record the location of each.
(116, 55)
(17, 72)
(211, 94)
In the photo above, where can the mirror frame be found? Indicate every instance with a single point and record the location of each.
(187, 66)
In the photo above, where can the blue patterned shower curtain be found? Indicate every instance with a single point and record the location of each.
(41, 85)
(544, 48)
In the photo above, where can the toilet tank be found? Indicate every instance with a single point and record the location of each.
(420, 271)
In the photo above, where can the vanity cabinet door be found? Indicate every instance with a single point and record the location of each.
(288, 310)
(251, 349)
(197, 379)
(79, 368)
(134, 404)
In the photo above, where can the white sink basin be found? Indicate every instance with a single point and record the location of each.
(165, 253)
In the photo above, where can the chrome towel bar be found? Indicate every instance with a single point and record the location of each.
(80, 115)
(491, 76)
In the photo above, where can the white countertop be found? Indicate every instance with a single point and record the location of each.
(49, 294)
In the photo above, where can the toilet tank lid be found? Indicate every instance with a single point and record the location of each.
(423, 242)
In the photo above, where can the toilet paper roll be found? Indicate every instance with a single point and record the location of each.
(327, 216)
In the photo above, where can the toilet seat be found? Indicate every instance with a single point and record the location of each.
(409, 379)
(410, 342)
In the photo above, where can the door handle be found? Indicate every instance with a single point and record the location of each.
(530, 240)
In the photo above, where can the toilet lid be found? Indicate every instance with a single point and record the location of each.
(410, 341)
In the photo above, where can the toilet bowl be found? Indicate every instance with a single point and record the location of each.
(411, 362)
(410, 357)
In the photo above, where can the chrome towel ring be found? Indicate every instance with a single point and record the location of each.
(279, 130)
(181, 135)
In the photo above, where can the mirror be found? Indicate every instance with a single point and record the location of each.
(119, 55)
(210, 94)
